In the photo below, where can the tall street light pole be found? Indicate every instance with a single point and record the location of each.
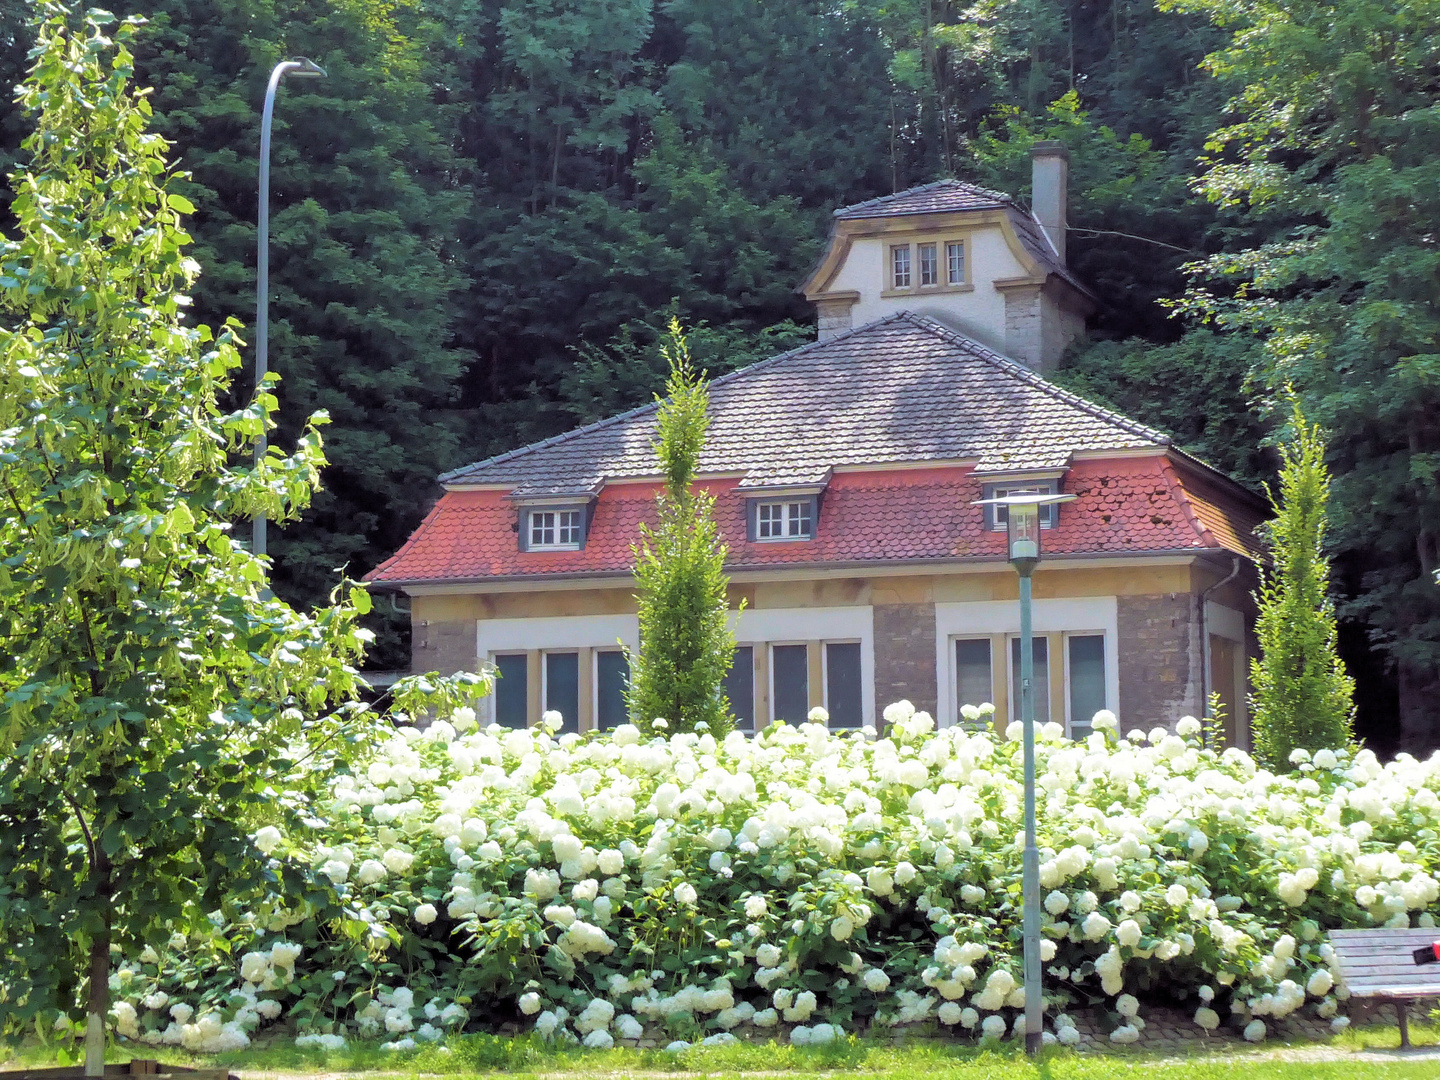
(304, 68)
(1022, 528)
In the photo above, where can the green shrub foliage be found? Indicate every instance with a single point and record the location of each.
(686, 644)
(1302, 696)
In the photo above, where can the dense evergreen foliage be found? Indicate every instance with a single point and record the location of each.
(488, 212)
(1302, 694)
(686, 644)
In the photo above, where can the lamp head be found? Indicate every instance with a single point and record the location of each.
(1022, 524)
(306, 67)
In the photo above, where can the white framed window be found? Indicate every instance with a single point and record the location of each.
(841, 668)
(789, 681)
(1040, 684)
(929, 265)
(900, 266)
(955, 262)
(790, 519)
(999, 516)
(555, 529)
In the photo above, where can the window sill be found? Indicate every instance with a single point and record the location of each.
(782, 539)
(925, 290)
(549, 549)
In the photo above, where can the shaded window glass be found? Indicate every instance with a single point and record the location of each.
(790, 682)
(842, 684)
(973, 685)
(1087, 681)
(511, 692)
(562, 687)
(612, 674)
(740, 687)
(1041, 654)
(900, 266)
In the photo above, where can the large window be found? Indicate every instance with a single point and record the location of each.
(612, 676)
(740, 687)
(1087, 680)
(790, 682)
(512, 691)
(1041, 683)
(842, 684)
(973, 682)
(562, 687)
(555, 530)
(787, 520)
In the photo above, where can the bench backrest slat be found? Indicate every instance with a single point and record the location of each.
(1378, 963)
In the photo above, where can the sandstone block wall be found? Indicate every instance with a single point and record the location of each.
(446, 647)
(1160, 658)
(905, 656)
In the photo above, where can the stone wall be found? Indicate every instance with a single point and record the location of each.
(832, 317)
(1160, 659)
(1024, 328)
(446, 647)
(905, 655)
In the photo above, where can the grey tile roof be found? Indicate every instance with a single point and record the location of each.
(902, 389)
(941, 197)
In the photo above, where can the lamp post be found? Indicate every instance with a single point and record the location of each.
(1022, 529)
(304, 68)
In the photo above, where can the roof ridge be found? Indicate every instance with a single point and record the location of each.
(1013, 367)
(564, 436)
(948, 181)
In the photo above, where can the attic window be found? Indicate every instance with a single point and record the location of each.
(930, 264)
(783, 519)
(996, 517)
(554, 528)
(900, 266)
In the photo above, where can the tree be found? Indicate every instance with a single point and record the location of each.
(1331, 156)
(686, 644)
(1302, 697)
(367, 199)
(157, 704)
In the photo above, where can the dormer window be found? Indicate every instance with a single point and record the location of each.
(787, 520)
(930, 264)
(552, 528)
(997, 517)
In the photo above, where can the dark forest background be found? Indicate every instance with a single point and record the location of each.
(484, 216)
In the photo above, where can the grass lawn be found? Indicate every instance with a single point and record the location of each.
(1357, 1053)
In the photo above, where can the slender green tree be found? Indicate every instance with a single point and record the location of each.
(1302, 697)
(157, 703)
(686, 644)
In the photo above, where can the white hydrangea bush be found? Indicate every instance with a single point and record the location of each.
(801, 883)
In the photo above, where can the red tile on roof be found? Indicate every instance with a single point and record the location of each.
(1128, 505)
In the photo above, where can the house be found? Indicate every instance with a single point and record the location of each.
(844, 474)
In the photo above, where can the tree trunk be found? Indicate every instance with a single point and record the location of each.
(98, 1006)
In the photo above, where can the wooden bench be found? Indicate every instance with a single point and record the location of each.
(1380, 964)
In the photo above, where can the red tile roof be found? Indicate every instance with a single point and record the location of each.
(1132, 505)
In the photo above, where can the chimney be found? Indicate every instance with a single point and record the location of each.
(1050, 175)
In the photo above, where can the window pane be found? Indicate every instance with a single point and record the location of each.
(570, 527)
(842, 684)
(1087, 681)
(1041, 648)
(955, 263)
(562, 687)
(769, 520)
(542, 529)
(790, 682)
(901, 265)
(799, 519)
(972, 672)
(611, 674)
(511, 697)
(740, 687)
(929, 265)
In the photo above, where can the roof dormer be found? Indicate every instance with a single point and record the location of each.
(966, 256)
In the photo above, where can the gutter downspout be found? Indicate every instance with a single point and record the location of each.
(1205, 687)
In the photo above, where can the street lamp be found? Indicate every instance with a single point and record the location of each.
(303, 68)
(1022, 531)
